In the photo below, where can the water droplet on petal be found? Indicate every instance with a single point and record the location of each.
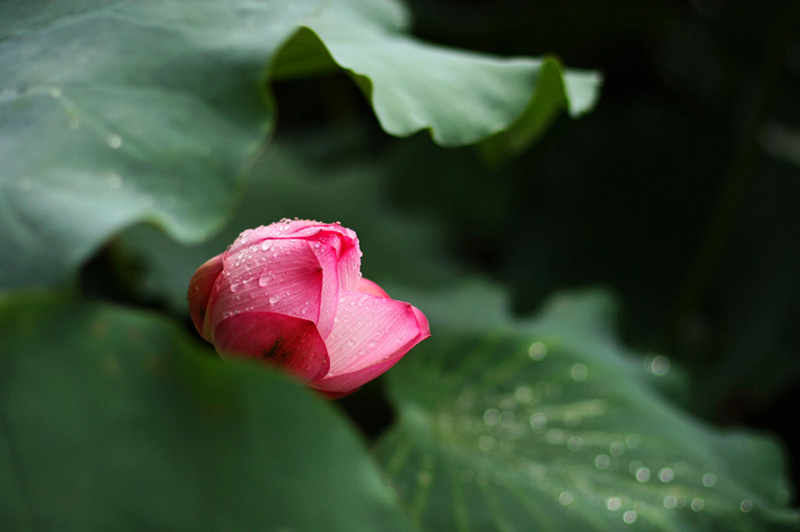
(274, 299)
(265, 278)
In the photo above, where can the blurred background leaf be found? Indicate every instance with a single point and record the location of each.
(113, 419)
(108, 119)
(504, 424)
(460, 97)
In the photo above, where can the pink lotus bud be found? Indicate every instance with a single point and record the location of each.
(291, 294)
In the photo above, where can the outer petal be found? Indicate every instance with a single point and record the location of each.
(343, 240)
(291, 343)
(368, 287)
(282, 276)
(348, 255)
(370, 335)
(200, 291)
(284, 229)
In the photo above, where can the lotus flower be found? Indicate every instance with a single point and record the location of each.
(291, 294)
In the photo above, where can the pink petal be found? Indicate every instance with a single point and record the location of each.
(294, 344)
(345, 244)
(366, 286)
(200, 292)
(283, 229)
(370, 335)
(343, 240)
(282, 276)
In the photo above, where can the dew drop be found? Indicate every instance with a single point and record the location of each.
(491, 417)
(643, 475)
(659, 365)
(579, 372)
(538, 421)
(709, 479)
(616, 448)
(566, 498)
(613, 503)
(575, 444)
(235, 286)
(698, 504)
(746, 505)
(274, 299)
(265, 245)
(265, 278)
(524, 394)
(666, 475)
(602, 461)
(670, 502)
(537, 351)
(629, 517)
(114, 141)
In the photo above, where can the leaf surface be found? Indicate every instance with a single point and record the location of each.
(112, 419)
(552, 425)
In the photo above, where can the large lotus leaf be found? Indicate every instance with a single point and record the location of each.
(117, 112)
(113, 112)
(552, 425)
(111, 419)
(461, 97)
